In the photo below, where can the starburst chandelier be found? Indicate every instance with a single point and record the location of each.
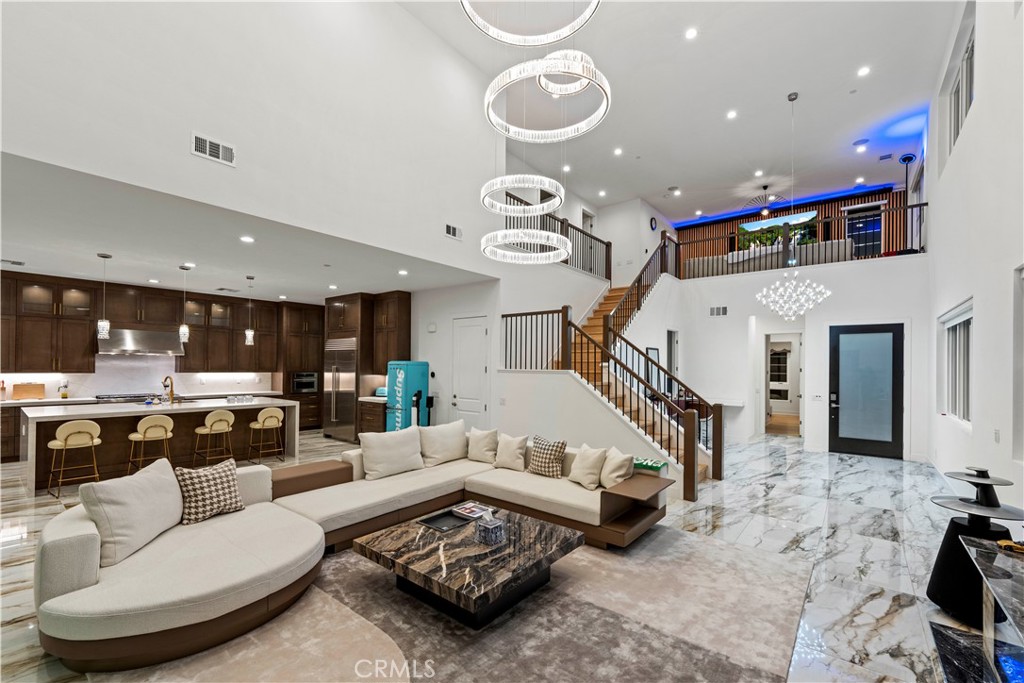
(791, 297)
(764, 201)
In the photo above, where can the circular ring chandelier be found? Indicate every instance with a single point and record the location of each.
(500, 245)
(522, 181)
(534, 40)
(569, 65)
(572, 87)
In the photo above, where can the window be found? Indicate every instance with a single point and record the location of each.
(778, 370)
(961, 95)
(958, 363)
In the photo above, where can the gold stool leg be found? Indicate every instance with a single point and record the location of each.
(195, 451)
(95, 468)
(131, 456)
(227, 435)
(278, 439)
(167, 451)
(53, 467)
(60, 476)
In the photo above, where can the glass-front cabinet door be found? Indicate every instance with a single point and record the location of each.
(37, 299)
(76, 303)
(195, 312)
(220, 315)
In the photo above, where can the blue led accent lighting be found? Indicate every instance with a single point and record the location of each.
(860, 189)
(1012, 668)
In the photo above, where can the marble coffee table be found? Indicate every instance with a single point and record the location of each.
(469, 581)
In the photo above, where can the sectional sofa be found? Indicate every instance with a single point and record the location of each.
(181, 588)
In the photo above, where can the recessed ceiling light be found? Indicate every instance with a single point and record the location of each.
(601, 193)
(189, 265)
(864, 71)
(860, 180)
(566, 168)
(731, 114)
(861, 149)
(403, 273)
(691, 33)
(247, 239)
(332, 286)
(281, 296)
(617, 151)
(758, 173)
(677, 192)
(698, 212)
(153, 282)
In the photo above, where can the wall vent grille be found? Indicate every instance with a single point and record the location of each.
(885, 157)
(203, 146)
(718, 311)
(453, 232)
(228, 289)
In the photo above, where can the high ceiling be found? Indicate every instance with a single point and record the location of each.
(56, 219)
(670, 95)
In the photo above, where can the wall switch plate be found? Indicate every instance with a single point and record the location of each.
(996, 435)
(818, 397)
(501, 401)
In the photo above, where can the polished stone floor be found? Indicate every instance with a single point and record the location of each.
(859, 532)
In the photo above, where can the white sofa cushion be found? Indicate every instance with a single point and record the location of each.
(443, 443)
(555, 496)
(129, 512)
(388, 453)
(67, 555)
(342, 505)
(586, 467)
(190, 574)
(618, 467)
(483, 446)
(511, 452)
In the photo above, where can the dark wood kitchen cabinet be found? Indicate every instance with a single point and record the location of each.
(371, 417)
(53, 345)
(218, 350)
(392, 322)
(346, 315)
(194, 359)
(160, 309)
(302, 338)
(8, 296)
(49, 299)
(10, 434)
(264, 316)
(260, 357)
(8, 334)
(122, 304)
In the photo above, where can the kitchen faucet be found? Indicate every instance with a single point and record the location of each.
(168, 384)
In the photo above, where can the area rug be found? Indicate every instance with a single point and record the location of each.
(674, 607)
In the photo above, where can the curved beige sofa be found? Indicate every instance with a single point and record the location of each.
(190, 588)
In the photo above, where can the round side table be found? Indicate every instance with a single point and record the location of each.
(955, 585)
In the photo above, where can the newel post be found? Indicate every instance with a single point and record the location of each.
(563, 228)
(608, 261)
(689, 455)
(566, 362)
(663, 256)
(606, 335)
(717, 442)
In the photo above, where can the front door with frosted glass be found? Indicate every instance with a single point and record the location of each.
(866, 390)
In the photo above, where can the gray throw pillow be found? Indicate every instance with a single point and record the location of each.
(483, 446)
(388, 453)
(586, 467)
(617, 468)
(443, 443)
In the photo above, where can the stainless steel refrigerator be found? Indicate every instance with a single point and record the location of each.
(340, 388)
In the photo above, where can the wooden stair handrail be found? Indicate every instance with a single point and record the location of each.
(659, 257)
(663, 370)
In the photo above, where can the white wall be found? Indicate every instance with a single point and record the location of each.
(627, 226)
(573, 206)
(976, 240)
(723, 359)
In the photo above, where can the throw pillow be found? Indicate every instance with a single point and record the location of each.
(443, 443)
(546, 457)
(617, 468)
(208, 491)
(129, 512)
(511, 453)
(388, 453)
(586, 467)
(483, 446)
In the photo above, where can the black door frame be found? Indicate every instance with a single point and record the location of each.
(890, 449)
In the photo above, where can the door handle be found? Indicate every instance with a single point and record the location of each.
(833, 405)
(455, 404)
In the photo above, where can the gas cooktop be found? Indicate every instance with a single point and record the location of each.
(122, 398)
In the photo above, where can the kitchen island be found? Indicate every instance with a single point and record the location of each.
(118, 420)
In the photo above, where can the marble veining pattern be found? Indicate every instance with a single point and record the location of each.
(461, 570)
(864, 615)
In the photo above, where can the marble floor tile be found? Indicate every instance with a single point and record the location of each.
(852, 558)
(796, 508)
(780, 536)
(870, 491)
(846, 517)
(874, 628)
(809, 666)
(920, 561)
(718, 521)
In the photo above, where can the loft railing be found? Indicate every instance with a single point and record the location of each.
(674, 416)
(894, 231)
(590, 254)
(663, 260)
(709, 415)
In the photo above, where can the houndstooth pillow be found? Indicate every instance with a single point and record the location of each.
(208, 491)
(546, 457)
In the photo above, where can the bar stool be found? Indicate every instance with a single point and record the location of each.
(216, 422)
(71, 435)
(268, 424)
(150, 428)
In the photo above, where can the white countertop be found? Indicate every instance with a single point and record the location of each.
(373, 399)
(21, 402)
(102, 410)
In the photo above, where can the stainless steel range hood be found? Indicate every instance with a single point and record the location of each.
(141, 343)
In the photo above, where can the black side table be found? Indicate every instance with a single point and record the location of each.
(956, 585)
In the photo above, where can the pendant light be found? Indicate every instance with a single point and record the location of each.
(250, 334)
(183, 329)
(103, 325)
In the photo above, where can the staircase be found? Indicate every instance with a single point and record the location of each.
(594, 325)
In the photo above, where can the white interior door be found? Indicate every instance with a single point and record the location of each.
(470, 361)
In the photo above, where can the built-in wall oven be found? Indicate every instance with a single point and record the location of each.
(305, 382)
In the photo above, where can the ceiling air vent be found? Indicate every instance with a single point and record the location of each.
(885, 157)
(228, 289)
(453, 232)
(718, 311)
(211, 149)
